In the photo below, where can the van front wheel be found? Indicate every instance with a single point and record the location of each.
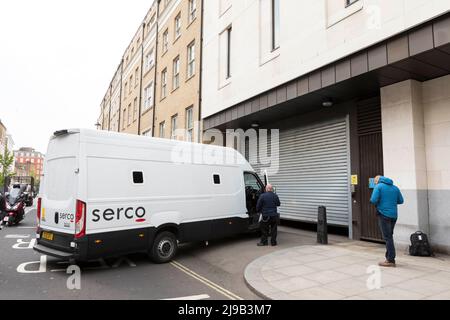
(164, 247)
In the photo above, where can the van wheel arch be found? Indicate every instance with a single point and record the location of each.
(172, 228)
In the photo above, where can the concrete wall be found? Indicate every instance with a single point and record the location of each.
(436, 101)
(320, 32)
(416, 145)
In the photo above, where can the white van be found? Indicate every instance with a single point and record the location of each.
(107, 194)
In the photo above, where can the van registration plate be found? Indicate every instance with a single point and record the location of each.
(47, 236)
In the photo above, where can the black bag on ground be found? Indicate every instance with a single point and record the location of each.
(420, 247)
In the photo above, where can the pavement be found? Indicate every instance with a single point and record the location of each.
(347, 271)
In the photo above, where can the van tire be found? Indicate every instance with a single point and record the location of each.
(164, 247)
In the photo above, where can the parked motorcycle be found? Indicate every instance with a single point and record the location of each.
(2, 209)
(14, 207)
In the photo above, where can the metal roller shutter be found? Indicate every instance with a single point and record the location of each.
(314, 171)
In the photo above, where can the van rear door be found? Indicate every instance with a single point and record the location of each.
(59, 189)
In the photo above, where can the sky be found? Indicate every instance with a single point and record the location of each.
(57, 59)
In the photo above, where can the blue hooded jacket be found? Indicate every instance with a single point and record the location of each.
(387, 197)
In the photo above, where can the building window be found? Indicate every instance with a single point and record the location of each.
(216, 179)
(228, 57)
(147, 133)
(178, 26)
(129, 114)
(191, 60)
(173, 132)
(176, 73)
(131, 85)
(135, 107)
(162, 129)
(136, 77)
(125, 89)
(275, 24)
(124, 121)
(164, 84)
(190, 124)
(149, 58)
(165, 42)
(192, 10)
(148, 97)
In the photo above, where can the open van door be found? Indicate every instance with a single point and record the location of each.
(266, 178)
(60, 214)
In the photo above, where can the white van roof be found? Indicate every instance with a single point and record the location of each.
(143, 142)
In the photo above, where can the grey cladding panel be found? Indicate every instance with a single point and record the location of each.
(421, 40)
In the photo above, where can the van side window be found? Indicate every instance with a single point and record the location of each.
(138, 177)
(216, 179)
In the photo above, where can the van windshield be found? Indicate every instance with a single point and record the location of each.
(60, 178)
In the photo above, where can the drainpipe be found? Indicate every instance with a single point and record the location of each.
(110, 106)
(120, 96)
(142, 76)
(200, 129)
(156, 70)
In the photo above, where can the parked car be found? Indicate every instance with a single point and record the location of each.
(107, 194)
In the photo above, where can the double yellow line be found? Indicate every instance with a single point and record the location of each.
(205, 281)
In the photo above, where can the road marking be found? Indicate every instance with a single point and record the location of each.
(205, 281)
(42, 266)
(17, 236)
(190, 298)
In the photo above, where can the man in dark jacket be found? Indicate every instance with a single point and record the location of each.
(267, 205)
(387, 197)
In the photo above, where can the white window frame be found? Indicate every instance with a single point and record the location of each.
(148, 96)
(191, 60)
(192, 10)
(162, 129)
(190, 124)
(150, 60)
(176, 73)
(165, 41)
(164, 84)
(173, 127)
(178, 26)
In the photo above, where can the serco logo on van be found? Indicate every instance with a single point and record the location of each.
(111, 214)
(64, 217)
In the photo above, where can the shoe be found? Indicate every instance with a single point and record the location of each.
(262, 244)
(387, 264)
(274, 244)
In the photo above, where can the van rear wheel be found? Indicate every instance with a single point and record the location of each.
(164, 247)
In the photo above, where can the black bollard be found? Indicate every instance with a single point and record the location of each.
(322, 226)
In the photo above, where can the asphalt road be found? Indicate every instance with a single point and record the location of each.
(24, 276)
(200, 272)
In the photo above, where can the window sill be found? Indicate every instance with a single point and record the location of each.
(148, 71)
(190, 77)
(191, 22)
(176, 39)
(175, 89)
(144, 112)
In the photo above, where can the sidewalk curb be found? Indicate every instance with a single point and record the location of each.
(258, 293)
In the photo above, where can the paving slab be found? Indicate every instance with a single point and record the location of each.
(347, 271)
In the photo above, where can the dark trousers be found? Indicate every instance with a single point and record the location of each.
(387, 226)
(269, 227)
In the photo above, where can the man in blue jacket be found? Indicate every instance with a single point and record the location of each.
(267, 205)
(387, 197)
